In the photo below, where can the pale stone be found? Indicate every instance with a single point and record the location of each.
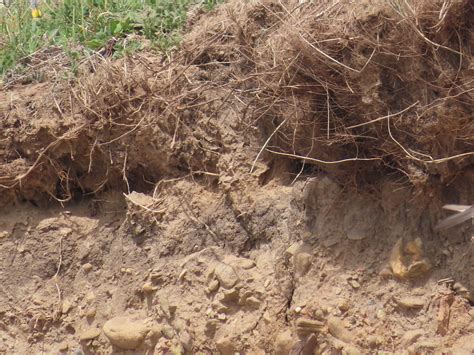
(213, 286)
(302, 262)
(148, 288)
(64, 346)
(129, 334)
(411, 337)
(225, 346)
(90, 334)
(186, 341)
(306, 326)
(253, 302)
(411, 302)
(226, 275)
(66, 307)
(293, 248)
(87, 267)
(338, 330)
(283, 343)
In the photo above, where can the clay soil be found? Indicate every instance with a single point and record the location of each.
(271, 187)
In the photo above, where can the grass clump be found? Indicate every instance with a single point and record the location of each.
(90, 23)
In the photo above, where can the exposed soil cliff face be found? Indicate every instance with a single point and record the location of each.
(271, 188)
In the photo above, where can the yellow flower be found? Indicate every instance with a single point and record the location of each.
(35, 13)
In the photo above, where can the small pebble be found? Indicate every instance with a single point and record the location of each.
(380, 314)
(210, 312)
(226, 275)
(253, 302)
(87, 267)
(148, 288)
(213, 286)
(411, 302)
(302, 263)
(167, 331)
(182, 275)
(90, 297)
(343, 305)
(91, 313)
(66, 306)
(410, 337)
(354, 283)
(90, 334)
(63, 346)
(292, 249)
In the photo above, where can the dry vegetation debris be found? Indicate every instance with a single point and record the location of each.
(360, 89)
(199, 234)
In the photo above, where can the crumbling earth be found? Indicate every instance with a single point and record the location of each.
(269, 189)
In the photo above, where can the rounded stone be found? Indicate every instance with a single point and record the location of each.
(283, 343)
(126, 333)
(226, 275)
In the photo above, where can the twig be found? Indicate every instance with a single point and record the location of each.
(328, 112)
(431, 161)
(299, 173)
(55, 277)
(60, 257)
(90, 156)
(266, 143)
(125, 134)
(327, 56)
(175, 131)
(124, 171)
(58, 311)
(295, 156)
(383, 117)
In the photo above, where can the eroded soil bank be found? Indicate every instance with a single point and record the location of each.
(272, 187)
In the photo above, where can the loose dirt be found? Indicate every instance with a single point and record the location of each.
(272, 187)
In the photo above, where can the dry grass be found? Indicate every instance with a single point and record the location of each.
(386, 82)
(386, 86)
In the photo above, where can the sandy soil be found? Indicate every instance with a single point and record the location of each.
(149, 207)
